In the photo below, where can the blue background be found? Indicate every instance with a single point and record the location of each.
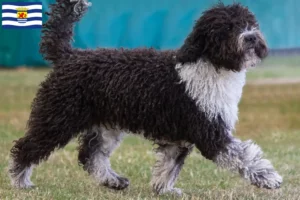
(162, 24)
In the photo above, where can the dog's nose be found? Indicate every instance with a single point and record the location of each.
(250, 38)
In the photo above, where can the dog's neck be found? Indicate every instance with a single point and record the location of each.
(217, 93)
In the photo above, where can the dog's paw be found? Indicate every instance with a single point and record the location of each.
(20, 177)
(268, 179)
(172, 191)
(117, 183)
(176, 191)
(23, 184)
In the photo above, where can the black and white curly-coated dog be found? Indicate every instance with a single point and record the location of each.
(178, 99)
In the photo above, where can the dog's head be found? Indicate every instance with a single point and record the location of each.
(227, 36)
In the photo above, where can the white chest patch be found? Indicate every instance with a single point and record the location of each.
(215, 93)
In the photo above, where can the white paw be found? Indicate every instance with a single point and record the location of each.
(21, 179)
(22, 184)
(172, 191)
(266, 178)
(176, 191)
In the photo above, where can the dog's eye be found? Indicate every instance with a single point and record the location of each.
(229, 27)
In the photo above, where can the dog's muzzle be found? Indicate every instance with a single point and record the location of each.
(254, 41)
(250, 40)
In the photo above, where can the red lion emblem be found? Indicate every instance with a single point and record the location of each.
(22, 15)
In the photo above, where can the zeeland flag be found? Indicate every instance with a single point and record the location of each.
(22, 15)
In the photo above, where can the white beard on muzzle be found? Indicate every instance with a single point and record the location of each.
(251, 59)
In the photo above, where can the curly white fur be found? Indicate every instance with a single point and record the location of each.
(22, 179)
(215, 92)
(99, 165)
(246, 159)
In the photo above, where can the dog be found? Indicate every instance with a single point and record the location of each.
(179, 99)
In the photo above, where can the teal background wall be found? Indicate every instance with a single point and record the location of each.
(162, 24)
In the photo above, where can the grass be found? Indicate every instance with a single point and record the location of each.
(269, 114)
(277, 67)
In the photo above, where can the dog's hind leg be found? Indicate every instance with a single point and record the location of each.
(168, 165)
(96, 146)
(59, 112)
(35, 146)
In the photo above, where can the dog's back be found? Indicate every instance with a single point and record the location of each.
(135, 90)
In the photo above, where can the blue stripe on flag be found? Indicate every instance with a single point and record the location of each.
(15, 11)
(22, 3)
(21, 27)
(15, 19)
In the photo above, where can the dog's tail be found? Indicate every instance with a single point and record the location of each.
(57, 32)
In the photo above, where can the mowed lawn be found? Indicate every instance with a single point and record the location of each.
(269, 114)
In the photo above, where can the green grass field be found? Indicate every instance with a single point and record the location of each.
(277, 67)
(269, 114)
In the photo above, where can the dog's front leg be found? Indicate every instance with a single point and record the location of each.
(246, 159)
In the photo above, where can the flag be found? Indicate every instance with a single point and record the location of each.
(22, 15)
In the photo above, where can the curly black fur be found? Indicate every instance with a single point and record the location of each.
(96, 90)
(58, 30)
(135, 90)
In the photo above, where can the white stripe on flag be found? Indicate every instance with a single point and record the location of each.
(13, 23)
(13, 7)
(15, 15)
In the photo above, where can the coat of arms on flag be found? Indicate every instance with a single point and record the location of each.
(22, 15)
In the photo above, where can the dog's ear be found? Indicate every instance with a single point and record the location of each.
(192, 49)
